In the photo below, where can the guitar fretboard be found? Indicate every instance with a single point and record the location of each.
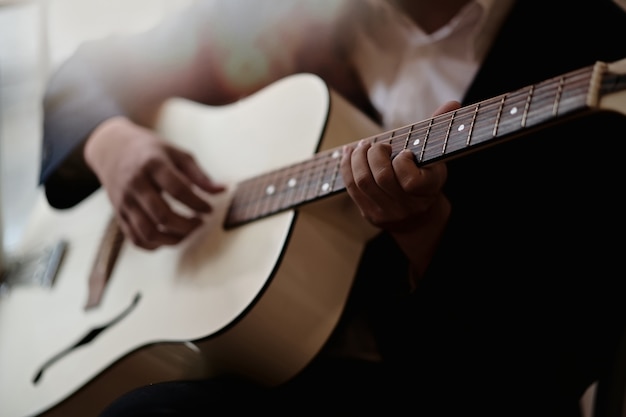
(438, 138)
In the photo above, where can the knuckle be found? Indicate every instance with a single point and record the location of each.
(135, 182)
(362, 182)
(385, 175)
(348, 182)
(177, 191)
(153, 162)
(161, 217)
(150, 235)
(412, 184)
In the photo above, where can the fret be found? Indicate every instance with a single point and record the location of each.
(338, 184)
(336, 180)
(573, 95)
(498, 116)
(254, 202)
(388, 140)
(564, 94)
(458, 134)
(510, 113)
(541, 105)
(447, 135)
(269, 193)
(296, 182)
(383, 137)
(468, 142)
(245, 206)
(329, 169)
(527, 105)
(269, 198)
(291, 179)
(557, 98)
(313, 182)
(399, 139)
(501, 116)
(438, 131)
(308, 173)
(239, 210)
(424, 141)
(542, 102)
(407, 137)
(256, 197)
(484, 117)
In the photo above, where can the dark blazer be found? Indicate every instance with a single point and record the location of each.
(524, 290)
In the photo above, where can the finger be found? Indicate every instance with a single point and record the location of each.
(421, 180)
(383, 172)
(446, 107)
(138, 227)
(418, 180)
(187, 165)
(360, 180)
(364, 176)
(169, 179)
(160, 212)
(375, 204)
(348, 177)
(167, 220)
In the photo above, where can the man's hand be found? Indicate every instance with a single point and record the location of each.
(138, 170)
(398, 196)
(392, 194)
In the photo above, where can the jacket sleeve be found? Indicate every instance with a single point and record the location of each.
(127, 75)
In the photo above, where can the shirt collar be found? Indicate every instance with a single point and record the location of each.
(493, 15)
(486, 16)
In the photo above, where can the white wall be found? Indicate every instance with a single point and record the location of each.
(73, 21)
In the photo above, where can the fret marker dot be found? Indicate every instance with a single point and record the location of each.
(270, 190)
(326, 187)
(416, 142)
(461, 128)
(292, 182)
(513, 110)
(336, 154)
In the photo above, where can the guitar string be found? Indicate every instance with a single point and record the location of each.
(310, 189)
(440, 121)
(544, 90)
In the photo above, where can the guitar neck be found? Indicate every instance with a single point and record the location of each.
(439, 138)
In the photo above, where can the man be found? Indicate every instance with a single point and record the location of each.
(492, 285)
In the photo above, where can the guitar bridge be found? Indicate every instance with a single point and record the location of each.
(38, 268)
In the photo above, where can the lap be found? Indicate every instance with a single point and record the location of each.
(327, 387)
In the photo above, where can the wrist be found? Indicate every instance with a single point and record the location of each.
(96, 144)
(420, 241)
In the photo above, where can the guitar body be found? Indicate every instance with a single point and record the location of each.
(257, 300)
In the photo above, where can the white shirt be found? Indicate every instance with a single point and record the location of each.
(408, 73)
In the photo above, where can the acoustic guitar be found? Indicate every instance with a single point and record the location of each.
(258, 290)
